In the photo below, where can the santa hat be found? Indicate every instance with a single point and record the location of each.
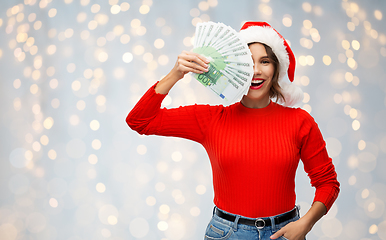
(263, 32)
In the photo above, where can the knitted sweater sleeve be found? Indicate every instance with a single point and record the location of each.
(317, 163)
(190, 122)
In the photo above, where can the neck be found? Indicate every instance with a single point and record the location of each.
(253, 103)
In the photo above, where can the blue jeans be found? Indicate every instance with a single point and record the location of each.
(221, 229)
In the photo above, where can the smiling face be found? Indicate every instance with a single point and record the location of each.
(258, 95)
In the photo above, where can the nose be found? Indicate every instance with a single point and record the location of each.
(256, 69)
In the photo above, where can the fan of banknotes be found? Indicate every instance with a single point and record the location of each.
(231, 67)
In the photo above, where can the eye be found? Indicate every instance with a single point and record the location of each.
(265, 61)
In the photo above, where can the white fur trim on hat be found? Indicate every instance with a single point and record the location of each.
(292, 94)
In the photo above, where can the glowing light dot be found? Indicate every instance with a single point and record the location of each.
(162, 226)
(17, 104)
(356, 125)
(48, 123)
(310, 60)
(69, 33)
(100, 187)
(112, 220)
(348, 76)
(125, 6)
(373, 229)
(51, 49)
(176, 156)
(161, 21)
(105, 233)
(52, 12)
(304, 80)
(195, 211)
(52, 154)
(353, 113)
(351, 63)
(265, 9)
(147, 57)
(141, 149)
(94, 125)
(138, 50)
(306, 98)
(188, 41)
(44, 140)
(200, 189)
(203, 6)
(71, 67)
(55, 103)
(100, 100)
(378, 15)
(17, 83)
(81, 17)
(115, 9)
(92, 24)
(103, 56)
(352, 180)
(53, 202)
(287, 20)
(81, 105)
(151, 201)
(36, 146)
(355, 45)
(135, 23)
(37, 25)
(125, 39)
(306, 7)
(164, 209)
(196, 20)
(127, 57)
(118, 30)
(307, 24)
(84, 35)
(96, 144)
(160, 187)
(326, 60)
(345, 44)
(351, 26)
(302, 60)
(74, 120)
(163, 60)
(144, 9)
(76, 85)
(92, 159)
(361, 145)
(159, 43)
(95, 8)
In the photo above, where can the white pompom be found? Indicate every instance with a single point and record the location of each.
(292, 94)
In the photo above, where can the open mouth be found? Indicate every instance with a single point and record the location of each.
(256, 83)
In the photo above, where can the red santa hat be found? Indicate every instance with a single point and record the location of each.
(263, 32)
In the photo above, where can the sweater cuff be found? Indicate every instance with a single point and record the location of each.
(327, 198)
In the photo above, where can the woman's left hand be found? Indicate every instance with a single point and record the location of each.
(294, 230)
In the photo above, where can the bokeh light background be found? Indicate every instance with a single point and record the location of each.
(70, 71)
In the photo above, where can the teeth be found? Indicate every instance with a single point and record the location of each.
(257, 81)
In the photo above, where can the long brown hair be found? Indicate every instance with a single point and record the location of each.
(275, 90)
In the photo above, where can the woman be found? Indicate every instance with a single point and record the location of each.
(254, 145)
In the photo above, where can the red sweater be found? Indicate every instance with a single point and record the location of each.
(254, 153)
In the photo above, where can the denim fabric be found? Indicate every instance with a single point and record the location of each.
(221, 229)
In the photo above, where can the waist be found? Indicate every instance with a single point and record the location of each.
(259, 223)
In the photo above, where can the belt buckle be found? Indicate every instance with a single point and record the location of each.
(258, 223)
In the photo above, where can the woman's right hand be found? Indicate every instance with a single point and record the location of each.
(186, 62)
(190, 62)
